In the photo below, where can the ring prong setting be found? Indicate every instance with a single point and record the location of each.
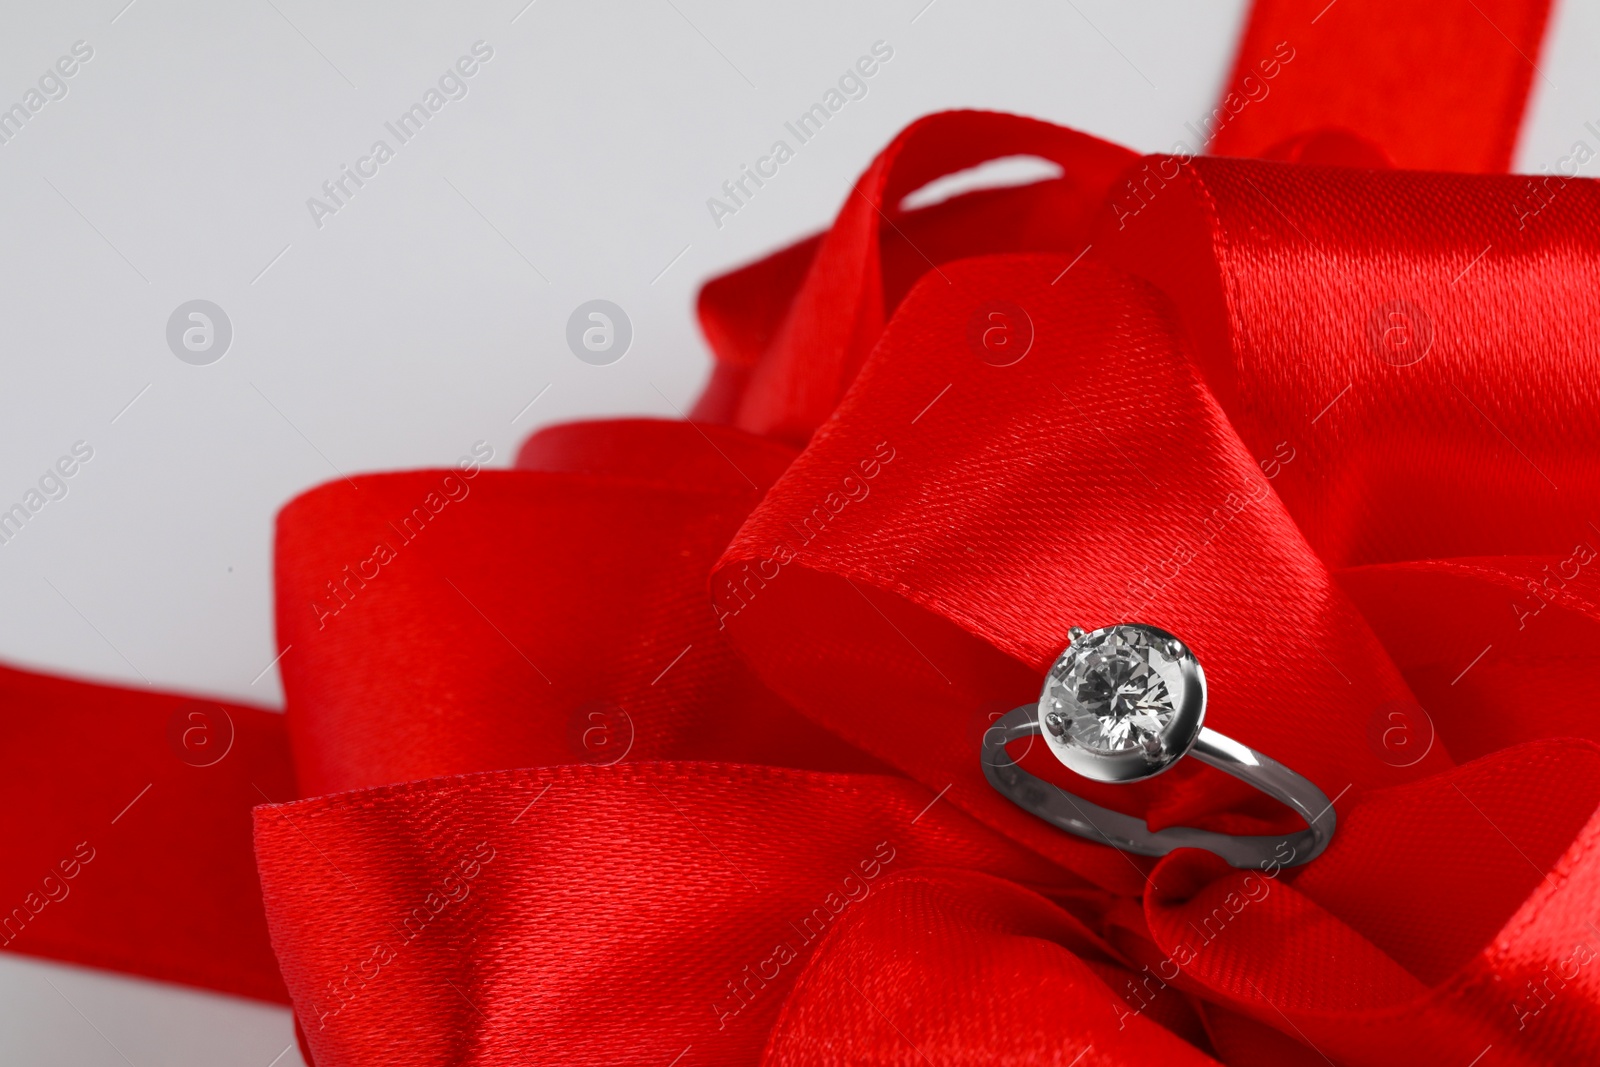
(1122, 703)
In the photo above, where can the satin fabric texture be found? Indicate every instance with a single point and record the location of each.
(661, 746)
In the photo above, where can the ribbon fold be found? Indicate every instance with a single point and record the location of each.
(662, 745)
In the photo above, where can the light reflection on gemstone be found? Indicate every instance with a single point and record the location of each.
(1111, 691)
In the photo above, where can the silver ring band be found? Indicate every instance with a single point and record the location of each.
(1130, 834)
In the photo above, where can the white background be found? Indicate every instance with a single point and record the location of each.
(431, 309)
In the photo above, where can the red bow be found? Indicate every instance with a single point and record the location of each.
(1336, 427)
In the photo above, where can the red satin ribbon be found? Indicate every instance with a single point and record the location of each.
(1337, 427)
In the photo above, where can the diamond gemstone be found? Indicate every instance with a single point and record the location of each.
(1113, 691)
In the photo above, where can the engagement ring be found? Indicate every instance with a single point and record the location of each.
(1125, 703)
